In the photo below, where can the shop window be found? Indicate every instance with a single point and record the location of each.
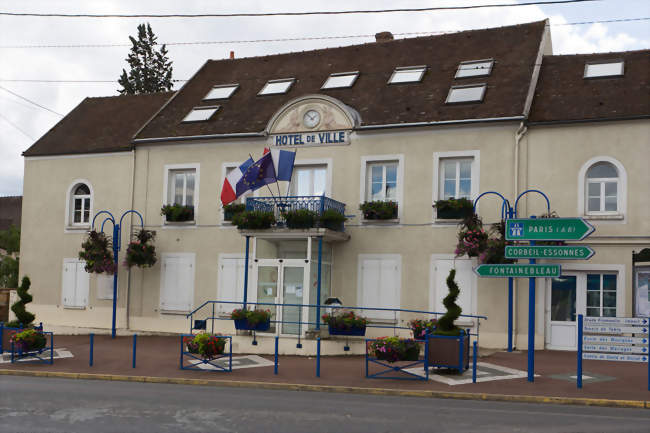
(75, 284)
(379, 284)
(177, 282)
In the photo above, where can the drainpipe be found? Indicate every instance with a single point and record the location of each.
(521, 131)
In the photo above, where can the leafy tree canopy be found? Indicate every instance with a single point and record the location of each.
(151, 70)
(10, 239)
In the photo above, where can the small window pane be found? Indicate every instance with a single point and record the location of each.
(77, 204)
(466, 94)
(221, 92)
(377, 173)
(465, 169)
(276, 87)
(610, 189)
(609, 312)
(593, 282)
(450, 189)
(465, 188)
(391, 173)
(593, 299)
(594, 189)
(603, 69)
(602, 170)
(82, 190)
(200, 114)
(450, 169)
(376, 191)
(407, 75)
(189, 200)
(340, 80)
(391, 191)
(474, 69)
(86, 216)
(320, 175)
(77, 216)
(563, 299)
(609, 299)
(609, 282)
(610, 204)
(594, 205)
(593, 312)
(178, 188)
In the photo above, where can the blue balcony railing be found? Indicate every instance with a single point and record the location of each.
(280, 205)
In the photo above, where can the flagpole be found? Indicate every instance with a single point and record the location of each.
(294, 165)
(267, 185)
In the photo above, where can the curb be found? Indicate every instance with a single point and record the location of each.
(575, 401)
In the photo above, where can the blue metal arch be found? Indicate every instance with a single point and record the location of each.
(109, 218)
(505, 204)
(548, 202)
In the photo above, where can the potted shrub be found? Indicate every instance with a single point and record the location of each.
(300, 218)
(345, 323)
(141, 252)
(379, 210)
(232, 209)
(254, 220)
(28, 340)
(422, 327)
(251, 320)
(96, 252)
(332, 219)
(454, 208)
(24, 319)
(449, 344)
(207, 346)
(177, 213)
(393, 349)
(472, 239)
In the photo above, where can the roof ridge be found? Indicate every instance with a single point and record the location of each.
(136, 95)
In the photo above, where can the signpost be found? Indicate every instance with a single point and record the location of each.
(547, 229)
(612, 348)
(549, 252)
(528, 271)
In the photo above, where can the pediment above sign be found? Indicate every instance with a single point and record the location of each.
(313, 113)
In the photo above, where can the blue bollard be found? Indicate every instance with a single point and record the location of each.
(135, 340)
(275, 368)
(579, 372)
(92, 340)
(318, 358)
(474, 356)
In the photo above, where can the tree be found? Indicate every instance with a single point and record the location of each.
(8, 272)
(10, 239)
(446, 324)
(23, 317)
(151, 70)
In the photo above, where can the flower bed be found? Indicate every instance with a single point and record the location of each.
(393, 349)
(251, 320)
(206, 345)
(421, 327)
(345, 323)
(28, 340)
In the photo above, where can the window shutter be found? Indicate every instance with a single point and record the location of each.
(104, 286)
(380, 286)
(68, 283)
(231, 284)
(177, 285)
(82, 279)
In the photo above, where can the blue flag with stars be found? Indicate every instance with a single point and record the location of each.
(259, 173)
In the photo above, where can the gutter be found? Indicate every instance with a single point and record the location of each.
(200, 137)
(600, 119)
(440, 123)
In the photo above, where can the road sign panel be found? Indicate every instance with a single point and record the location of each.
(522, 271)
(614, 357)
(615, 348)
(608, 339)
(549, 252)
(615, 330)
(640, 321)
(547, 229)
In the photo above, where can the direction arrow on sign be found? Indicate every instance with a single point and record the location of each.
(641, 321)
(547, 229)
(607, 339)
(615, 330)
(614, 357)
(615, 349)
(549, 252)
(523, 271)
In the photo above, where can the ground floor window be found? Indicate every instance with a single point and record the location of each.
(379, 284)
(601, 295)
(177, 282)
(231, 283)
(465, 278)
(75, 284)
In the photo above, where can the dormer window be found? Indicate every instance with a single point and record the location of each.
(471, 93)
(224, 91)
(341, 80)
(276, 87)
(200, 114)
(604, 69)
(474, 68)
(409, 74)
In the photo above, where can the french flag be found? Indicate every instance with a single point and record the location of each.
(232, 187)
(283, 161)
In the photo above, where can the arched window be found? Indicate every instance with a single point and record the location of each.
(80, 210)
(602, 189)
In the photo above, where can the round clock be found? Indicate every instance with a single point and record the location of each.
(311, 118)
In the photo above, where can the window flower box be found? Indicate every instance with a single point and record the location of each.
(379, 210)
(454, 209)
(254, 220)
(345, 323)
(232, 209)
(177, 213)
(251, 320)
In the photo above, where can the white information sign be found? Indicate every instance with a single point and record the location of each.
(614, 357)
(616, 321)
(614, 348)
(607, 339)
(615, 330)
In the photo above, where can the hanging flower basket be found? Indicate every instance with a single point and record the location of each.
(141, 252)
(393, 349)
(206, 345)
(251, 320)
(345, 323)
(96, 252)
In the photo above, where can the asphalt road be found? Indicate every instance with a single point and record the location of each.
(49, 405)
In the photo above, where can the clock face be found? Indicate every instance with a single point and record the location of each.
(311, 119)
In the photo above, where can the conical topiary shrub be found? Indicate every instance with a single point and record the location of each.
(446, 324)
(24, 318)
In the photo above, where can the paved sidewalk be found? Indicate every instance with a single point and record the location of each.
(158, 356)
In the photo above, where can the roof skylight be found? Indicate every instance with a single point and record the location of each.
(274, 87)
(199, 114)
(224, 91)
(339, 80)
(474, 68)
(604, 69)
(472, 93)
(409, 74)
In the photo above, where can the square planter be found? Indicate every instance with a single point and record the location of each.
(449, 351)
(359, 332)
(242, 324)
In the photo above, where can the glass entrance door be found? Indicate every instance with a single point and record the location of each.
(293, 279)
(267, 290)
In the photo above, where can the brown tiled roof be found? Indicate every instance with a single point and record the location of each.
(514, 49)
(99, 125)
(563, 94)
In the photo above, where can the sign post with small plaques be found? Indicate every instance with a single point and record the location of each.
(622, 339)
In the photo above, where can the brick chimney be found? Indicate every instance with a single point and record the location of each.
(232, 55)
(383, 37)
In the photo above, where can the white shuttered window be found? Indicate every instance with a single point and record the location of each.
(465, 278)
(75, 284)
(177, 282)
(379, 284)
(231, 283)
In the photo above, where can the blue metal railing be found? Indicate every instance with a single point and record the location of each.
(280, 205)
